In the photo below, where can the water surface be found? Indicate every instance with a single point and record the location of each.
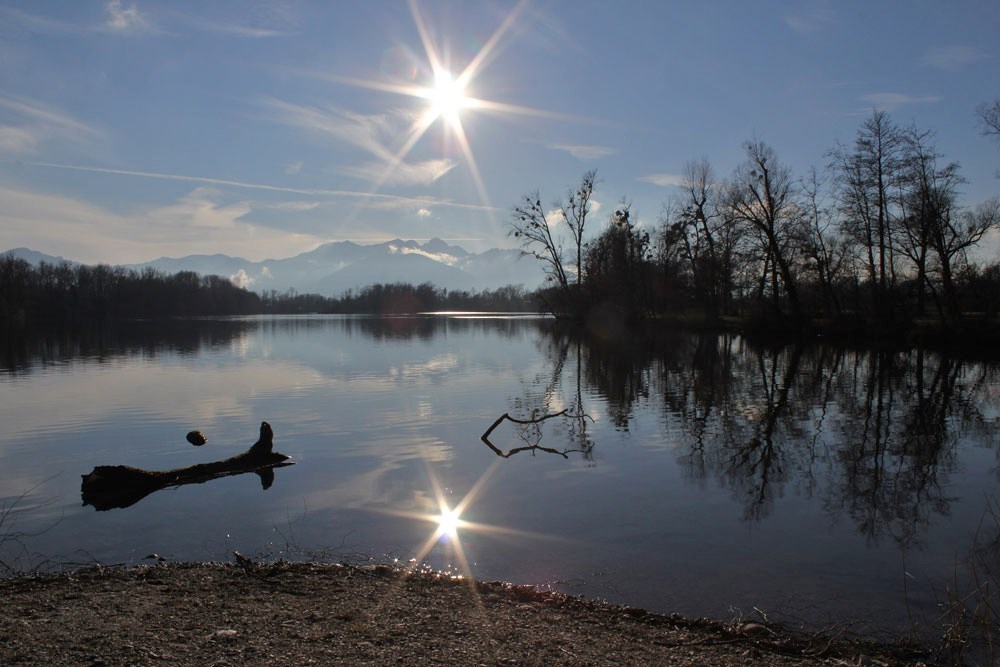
(690, 473)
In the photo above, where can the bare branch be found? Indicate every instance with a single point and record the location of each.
(485, 437)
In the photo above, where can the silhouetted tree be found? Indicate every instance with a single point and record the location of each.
(616, 267)
(700, 229)
(928, 198)
(989, 116)
(533, 227)
(761, 193)
(867, 174)
(827, 252)
(951, 239)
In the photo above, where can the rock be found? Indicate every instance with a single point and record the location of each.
(196, 438)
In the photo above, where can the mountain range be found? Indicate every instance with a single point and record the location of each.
(335, 267)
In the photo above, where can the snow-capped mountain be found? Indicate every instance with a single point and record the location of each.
(333, 268)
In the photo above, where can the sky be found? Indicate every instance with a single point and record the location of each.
(131, 130)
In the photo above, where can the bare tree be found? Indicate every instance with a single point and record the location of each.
(696, 226)
(826, 250)
(928, 195)
(951, 239)
(866, 175)
(533, 226)
(761, 193)
(989, 116)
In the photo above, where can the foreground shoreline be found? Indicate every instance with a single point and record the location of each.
(326, 614)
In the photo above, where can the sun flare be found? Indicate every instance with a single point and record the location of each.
(449, 522)
(447, 97)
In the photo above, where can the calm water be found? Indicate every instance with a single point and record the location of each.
(701, 474)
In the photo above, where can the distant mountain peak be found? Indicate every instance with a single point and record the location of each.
(333, 268)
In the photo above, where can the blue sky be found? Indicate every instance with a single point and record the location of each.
(135, 129)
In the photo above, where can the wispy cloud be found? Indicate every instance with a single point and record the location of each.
(125, 19)
(128, 19)
(442, 257)
(235, 29)
(420, 173)
(197, 222)
(40, 23)
(199, 210)
(374, 199)
(368, 132)
(953, 58)
(17, 140)
(25, 124)
(294, 206)
(117, 19)
(809, 22)
(893, 101)
(583, 151)
(662, 179)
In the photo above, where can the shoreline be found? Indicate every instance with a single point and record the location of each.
(309, 613)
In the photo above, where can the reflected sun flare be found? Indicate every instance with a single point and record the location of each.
(449, 522)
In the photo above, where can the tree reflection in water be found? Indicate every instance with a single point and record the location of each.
(872, 434)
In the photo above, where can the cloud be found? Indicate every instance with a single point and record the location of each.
(555, 217)
(40, 23)
(662, 179)
(122, 19)
(892, 101)
(25, 124)
(256, 20)
(235, 29)
(17, 141)
(442, 257)
(199, 210)
(363, 131)
(420, 173)
(198, 222)
(810, 22)
(370, 133)
(953, 58)
(118, 20)
(241, 279)
(290, 205)
(372, 199)
(582, 151)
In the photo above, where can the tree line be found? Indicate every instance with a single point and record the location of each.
(879, 235)
(64, 292)
(388, 298)
(68, 293)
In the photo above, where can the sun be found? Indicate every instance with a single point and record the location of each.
(447, 97)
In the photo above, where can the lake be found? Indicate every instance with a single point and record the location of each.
(691, 473)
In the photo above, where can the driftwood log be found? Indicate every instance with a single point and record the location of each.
(109, 487)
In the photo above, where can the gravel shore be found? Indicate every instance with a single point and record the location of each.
(312, 614)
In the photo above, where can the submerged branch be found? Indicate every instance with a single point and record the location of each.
(534, 421)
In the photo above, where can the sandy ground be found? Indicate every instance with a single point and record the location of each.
(310, 614)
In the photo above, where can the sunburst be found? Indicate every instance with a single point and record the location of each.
(448, 97)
